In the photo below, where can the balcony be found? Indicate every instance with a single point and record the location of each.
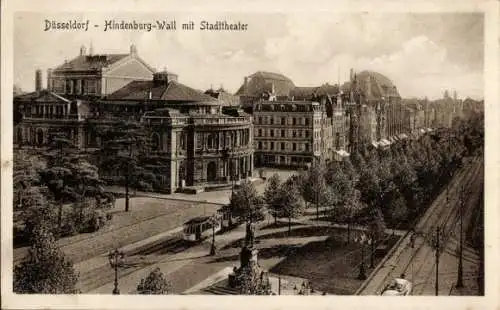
(162, 120)
(63, 118)
(221, 120)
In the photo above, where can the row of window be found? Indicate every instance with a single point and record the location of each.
(45, 110)
(282, 107)
(285, 160)
(282, 133)
(271, 120)
(283, 146)
(231, 139)
(74, 86)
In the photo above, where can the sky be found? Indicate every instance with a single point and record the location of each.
(424, 54)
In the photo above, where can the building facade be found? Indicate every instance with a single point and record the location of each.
(291, 133)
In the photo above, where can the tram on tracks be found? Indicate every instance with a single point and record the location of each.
(202, 227)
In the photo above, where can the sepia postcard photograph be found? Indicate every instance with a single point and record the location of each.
(166, 155)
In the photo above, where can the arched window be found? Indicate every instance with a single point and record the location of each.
(155, 142)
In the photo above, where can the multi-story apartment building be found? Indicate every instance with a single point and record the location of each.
(291, 133)
(197, 140)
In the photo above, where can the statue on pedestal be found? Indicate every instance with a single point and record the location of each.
(250, 235)
(250, 278)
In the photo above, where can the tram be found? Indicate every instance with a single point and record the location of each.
(201, 227)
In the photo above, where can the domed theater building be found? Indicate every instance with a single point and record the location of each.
(198, 141)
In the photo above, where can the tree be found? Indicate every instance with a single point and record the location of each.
(271, 195)
(369, 186)
(69, 176)
(154, 284)
(350, 208)
(376, 224)
(246, 203)
(314, 189)
(123, 146)
(340, 185)
(37, 215)
(289, 202)
(24, 177)
(46, 270)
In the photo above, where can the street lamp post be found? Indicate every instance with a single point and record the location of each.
(437, 247)
(362, 272)
(371, 241)
(116, 260)
(212, 247)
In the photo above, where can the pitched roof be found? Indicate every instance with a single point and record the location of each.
(90, 62)
(42, 96)
(171, 91)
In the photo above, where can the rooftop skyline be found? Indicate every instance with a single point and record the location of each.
(423, 54)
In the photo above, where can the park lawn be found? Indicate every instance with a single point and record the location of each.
(147, 217)
(330, 265)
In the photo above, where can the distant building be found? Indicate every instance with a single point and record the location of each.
(261, 84)
(97, 75)
(224, 98)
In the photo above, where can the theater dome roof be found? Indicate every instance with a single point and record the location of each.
(374, 85)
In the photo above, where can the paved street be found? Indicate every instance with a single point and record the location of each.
(184, 265)
(418, 262)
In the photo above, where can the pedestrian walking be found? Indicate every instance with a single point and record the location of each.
(412, 240)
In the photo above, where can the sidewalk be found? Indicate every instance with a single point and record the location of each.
(215, 197)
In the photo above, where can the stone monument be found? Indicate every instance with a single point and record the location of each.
(249, 265)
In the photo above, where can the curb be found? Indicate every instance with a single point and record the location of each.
(145, 195)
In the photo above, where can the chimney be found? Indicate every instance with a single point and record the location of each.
(38, 80)
(49, 79)
(91, 49)
(83, 51)
(133, 49)
(351, 76)
(245, 85)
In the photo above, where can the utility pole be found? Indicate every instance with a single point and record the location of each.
(279, 284)
(460, 283)
(317, 204)
(437, 248)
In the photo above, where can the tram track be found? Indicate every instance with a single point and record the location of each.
(431, 268)
(133, 262)
(430, 220)
(91, 249)
(447, 225)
